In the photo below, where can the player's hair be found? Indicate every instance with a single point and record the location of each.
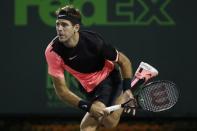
(71, 13)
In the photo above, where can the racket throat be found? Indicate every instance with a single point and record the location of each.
(136, 85)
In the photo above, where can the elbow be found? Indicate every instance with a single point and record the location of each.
(123, 60)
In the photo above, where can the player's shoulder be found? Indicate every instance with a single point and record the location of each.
(49, 47)
(89, 34)
(93, 38)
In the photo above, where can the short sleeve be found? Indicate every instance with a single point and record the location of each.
(107, 50)
(54, 63)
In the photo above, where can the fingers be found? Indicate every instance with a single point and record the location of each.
(97, 114)
(128, 110)
(133, 112)
(106, 112)
(101, 113)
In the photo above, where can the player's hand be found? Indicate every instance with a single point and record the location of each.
(98, 111)
(131, 104)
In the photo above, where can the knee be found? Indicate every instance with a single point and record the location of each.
(83, 127)
(87, 126)
(110, 122)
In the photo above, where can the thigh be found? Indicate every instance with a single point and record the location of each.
(89, 122)
(113, 119)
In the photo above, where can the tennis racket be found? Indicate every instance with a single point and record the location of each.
(155, 96)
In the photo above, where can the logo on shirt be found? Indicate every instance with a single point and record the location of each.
(84, 106)
(73, 57)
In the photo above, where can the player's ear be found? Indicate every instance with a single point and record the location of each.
(76, 27)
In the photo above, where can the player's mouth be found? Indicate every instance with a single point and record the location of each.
(61, 35)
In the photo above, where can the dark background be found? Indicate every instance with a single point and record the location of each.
(169, 48)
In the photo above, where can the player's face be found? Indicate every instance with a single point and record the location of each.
(65, 29)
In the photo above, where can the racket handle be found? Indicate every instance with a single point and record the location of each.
(113, 108)
(134, 81)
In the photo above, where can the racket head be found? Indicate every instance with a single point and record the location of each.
(158, 96)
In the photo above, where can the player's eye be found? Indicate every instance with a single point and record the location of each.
(64, 25)
(57, 24)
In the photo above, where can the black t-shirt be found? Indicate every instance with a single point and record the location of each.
(88, 55)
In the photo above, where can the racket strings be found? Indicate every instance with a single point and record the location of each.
(158, 96)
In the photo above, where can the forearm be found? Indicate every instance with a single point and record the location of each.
(125, 66)
(126, 70)
(68, 97)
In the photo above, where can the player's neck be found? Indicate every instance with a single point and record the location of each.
(73, 41)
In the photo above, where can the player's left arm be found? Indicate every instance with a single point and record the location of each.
(125, 65)
(112, 54)
(126, 71)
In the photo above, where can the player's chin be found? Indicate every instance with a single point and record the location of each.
(62, 39)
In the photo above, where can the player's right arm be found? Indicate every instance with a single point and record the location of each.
(66, 95)
(56, 71)
(63, 91)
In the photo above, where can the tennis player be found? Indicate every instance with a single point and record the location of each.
(95, 64)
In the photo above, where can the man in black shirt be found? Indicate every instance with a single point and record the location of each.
(95, 64)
